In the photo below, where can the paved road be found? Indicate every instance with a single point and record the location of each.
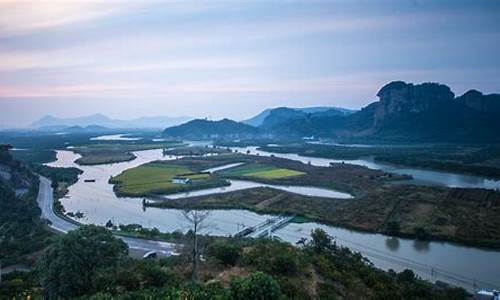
(45, 201)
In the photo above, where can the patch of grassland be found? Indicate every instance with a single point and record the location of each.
(106, 153)
(156, 178)
(262, 171)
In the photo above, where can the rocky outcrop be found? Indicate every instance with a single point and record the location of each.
(400, 98)
(488, 104)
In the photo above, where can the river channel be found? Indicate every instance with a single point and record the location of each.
(448, 262)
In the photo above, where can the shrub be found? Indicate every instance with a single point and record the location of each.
(225, 252)
(256, 286)
(393, 227)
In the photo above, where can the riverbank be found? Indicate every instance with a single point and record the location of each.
(99, 204)
(426, 213)
(155, 178)
(99, 153)
(470, 159)
(159, 178)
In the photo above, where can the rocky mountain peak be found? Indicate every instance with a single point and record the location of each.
(474, 99)
(399, 97)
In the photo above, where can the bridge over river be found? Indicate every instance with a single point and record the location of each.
(265, 228)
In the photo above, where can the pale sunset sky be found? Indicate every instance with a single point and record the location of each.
(217, 59)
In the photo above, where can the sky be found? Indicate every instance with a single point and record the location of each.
(233, 59)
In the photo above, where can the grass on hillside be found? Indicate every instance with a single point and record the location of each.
(156, 178)
(262, 171)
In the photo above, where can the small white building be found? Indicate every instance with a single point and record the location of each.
(181, 180)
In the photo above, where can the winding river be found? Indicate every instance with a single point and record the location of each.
(465, 266)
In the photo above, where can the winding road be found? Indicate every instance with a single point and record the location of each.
(45, 201)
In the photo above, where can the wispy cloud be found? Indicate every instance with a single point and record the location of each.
(226, 51)
(23, 17)
(68, 90)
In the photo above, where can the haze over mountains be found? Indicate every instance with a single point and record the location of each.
(101, 120)
(427, 112)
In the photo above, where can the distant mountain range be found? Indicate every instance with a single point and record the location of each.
(104, 121)
(427, 112)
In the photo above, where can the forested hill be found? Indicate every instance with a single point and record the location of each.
(206, 129)
(21, 230)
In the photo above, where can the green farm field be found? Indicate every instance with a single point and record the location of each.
(156, 178)
(262, 171)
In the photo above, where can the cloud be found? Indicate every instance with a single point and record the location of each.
(207, 63)
(23, 17)
(68, 90)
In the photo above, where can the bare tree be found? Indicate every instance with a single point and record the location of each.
(196, 220)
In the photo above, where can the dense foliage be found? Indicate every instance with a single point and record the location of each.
(75, 264)
(21, 230)
(90, 263)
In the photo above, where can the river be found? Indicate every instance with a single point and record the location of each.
(420, 176)
(443, 261)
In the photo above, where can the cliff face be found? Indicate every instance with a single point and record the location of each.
(488, 104)
(400, 98)
(405, 112)
(425, 112)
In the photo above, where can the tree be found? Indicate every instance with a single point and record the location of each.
(196, 220)
(393, 227)
(321, 242)
(256, 286)
(228, 253)
(72, 265)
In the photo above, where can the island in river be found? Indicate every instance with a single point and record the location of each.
(381, 203)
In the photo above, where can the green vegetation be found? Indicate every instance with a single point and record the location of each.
(22, 233)
(156, 178)
(261, 171)
(136, 230)
(106, 153)
(256, 286)
(61, 178)
(184, 151)
(34, 156)
(90, 263)
(467, 216)
(272, 170)
(75, 263)
(470, 159)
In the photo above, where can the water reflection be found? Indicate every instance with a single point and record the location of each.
(392, 244)
(421, 246)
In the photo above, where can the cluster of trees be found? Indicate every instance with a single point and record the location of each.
(67, 175)
(21, 230)
(90, 263)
